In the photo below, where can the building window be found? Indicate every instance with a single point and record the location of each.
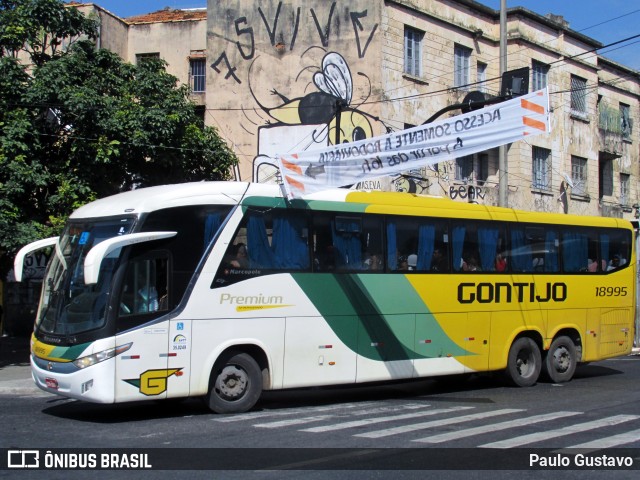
(141, 57)
(579, 175)
(624, 189)
(482, 77)
(578, 96)
(461, 58)
(464, 168)
(470, 169)
(540, 72)
(625, 121)
(197, 67)
(413, 51)
(541, 168)
(605, 177)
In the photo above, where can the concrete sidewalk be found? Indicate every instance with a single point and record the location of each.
(15, 372)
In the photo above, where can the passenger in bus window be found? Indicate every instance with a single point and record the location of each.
(240, 259)
(501, 263)
(471, 264)
(438, 261)
(412, 261)
(616, 262)
(373, 262)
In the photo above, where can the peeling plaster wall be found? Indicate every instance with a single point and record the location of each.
(263, 58)
(174, 41)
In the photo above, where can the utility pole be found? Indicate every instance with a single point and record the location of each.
(503, 171)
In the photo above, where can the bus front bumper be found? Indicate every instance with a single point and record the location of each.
(92, 384)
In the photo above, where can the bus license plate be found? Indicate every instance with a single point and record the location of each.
(51, 383)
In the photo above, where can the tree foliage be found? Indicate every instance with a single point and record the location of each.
(40, 28)
(83, 124)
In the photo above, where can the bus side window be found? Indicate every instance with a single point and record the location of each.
(614, 248)
(548, 254)
(146, 287)
(272, 240)
(347, 242)
(417, 244)
(579, 247)
(324, 255)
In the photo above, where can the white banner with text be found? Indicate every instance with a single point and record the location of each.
(345, 164)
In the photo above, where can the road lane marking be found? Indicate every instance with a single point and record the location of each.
(436, 423)
(560, 432)
(294, 421)
(292, 411)
(494, 427)
(613, 441)
(357, 413)
(391, 418)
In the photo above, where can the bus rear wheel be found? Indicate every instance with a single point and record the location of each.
(524, 363)
(561, 360)
(236, 384)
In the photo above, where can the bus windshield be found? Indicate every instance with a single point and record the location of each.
(68, 306)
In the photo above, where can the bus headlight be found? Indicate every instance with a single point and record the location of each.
(84, 362)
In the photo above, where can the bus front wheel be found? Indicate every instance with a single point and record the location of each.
(236, 383)
(524, 363)
(561, 360)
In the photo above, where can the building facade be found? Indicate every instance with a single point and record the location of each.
(179, 37)
(271, 77)
(279, 71)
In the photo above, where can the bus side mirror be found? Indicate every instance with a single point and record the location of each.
(18, 263)
(100, 251)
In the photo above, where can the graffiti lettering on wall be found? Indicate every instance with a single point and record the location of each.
(35, 265)
(472, 193)
(246, 33)
(369, 185)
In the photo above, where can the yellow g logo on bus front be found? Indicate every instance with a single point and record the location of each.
(154, 382)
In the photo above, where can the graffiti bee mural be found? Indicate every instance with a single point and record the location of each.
(322, 117)
(335, 87)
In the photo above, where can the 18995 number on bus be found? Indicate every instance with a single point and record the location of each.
(611, 291)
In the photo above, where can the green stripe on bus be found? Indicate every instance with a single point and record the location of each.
(69, 353)
(277, 202)
(353, 306)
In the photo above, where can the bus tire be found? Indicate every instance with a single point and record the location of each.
(524, 362)
(561, 360)
(236, 383)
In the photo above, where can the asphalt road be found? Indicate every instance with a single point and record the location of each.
(476, 428)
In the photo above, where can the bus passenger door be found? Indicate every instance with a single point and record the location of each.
(142, 371)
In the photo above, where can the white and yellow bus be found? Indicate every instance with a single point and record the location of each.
(224, 289)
